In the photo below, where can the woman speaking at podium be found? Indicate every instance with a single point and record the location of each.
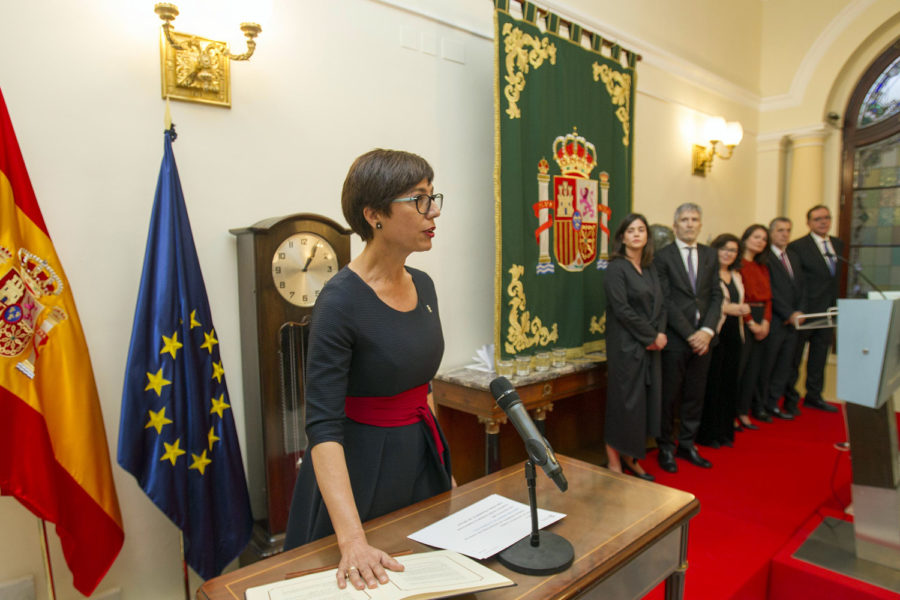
(375, 344)
(635, 326)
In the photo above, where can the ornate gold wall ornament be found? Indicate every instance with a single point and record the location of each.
(517, 337)
(519, 61)
(197, 71)
(598, 325)
(618, 85)
(194, 68)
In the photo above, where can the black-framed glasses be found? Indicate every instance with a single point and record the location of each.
(424, 202)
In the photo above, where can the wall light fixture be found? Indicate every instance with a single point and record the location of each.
(196, 69)
(719, 133)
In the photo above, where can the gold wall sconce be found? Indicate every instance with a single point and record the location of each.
(719, 133)
(196, 69)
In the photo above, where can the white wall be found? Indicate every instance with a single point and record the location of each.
(330, 80)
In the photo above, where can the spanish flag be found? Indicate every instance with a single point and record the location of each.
(54, 457)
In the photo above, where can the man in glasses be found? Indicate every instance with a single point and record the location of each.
(819, 272)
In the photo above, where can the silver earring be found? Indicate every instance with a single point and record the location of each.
(378, 225)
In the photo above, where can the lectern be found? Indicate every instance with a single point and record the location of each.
(868, 373)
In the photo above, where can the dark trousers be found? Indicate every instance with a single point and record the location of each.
(753, 383)
(819, 341)
(683, 388)
(779, 363)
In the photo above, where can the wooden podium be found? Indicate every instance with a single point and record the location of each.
(628, 535)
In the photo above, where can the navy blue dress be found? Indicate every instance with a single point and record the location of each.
(360, 346)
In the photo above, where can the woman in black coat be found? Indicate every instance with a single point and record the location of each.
(635, 326)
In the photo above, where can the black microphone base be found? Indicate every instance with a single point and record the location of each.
(554, 555)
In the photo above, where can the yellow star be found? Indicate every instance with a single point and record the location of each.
(209, 340)
(156, 382)
(213, 438)
(218, 406)
(171, 344)
(172, 451)
(194, 321)
(157, 420)
(218, 371)
(200, 462)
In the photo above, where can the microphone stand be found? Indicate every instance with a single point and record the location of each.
(543, 552)
(857, 268)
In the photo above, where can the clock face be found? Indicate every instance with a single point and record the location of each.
(301, 266)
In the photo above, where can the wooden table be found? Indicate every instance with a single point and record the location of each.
(629, 535)
(468, 392)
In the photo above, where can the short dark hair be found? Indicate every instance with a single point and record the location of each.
(374, 180)
(619, 239)
(719, 243)
(814, 208)
(779, 220)
(762, 256)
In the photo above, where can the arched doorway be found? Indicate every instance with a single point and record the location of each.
(870, 177)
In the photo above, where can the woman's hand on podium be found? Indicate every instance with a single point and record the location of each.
(362, 565)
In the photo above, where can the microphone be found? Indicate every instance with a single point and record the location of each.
(857, 268)
(539, 450)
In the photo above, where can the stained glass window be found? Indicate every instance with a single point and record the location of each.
(883, 98)
(875, 225)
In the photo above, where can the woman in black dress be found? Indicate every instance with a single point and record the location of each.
(375, 344)
(635, 326)
(718, 422)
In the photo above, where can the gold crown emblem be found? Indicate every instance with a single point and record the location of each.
(543, 166)
(38, 274)
(574, 154)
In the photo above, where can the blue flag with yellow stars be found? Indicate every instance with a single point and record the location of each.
(177, 433)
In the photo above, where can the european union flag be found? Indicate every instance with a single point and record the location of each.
(177, 434)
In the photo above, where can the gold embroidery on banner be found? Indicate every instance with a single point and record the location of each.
(598, 326)
(618, 85)
(519, 60)
(517, 337)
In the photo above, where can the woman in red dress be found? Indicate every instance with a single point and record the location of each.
(758, 294)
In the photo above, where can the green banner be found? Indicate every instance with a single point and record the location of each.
(564, 118)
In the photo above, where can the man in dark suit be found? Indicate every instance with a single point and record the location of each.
(819, 271)
(689, 276)
(788, 300)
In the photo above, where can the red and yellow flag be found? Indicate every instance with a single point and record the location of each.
(53, 453)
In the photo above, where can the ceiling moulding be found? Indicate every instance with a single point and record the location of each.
(793, 133)
(652, 55)
(814, 56)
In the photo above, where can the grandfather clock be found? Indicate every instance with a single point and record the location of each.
(283, 263)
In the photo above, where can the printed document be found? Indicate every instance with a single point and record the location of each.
(484, 528)
(427, 575)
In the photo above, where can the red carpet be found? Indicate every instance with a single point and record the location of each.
(790, 579)
(754, 500)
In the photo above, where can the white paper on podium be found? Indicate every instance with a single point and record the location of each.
(483, 529)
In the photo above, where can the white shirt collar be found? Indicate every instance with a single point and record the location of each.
(819, 238)
(682, 245)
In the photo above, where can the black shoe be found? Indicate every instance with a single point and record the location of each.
(738, 426)
(667, 461)
(692, 456)
(709, 444)
(781, 414)
(762, 415)
(726, 443)
(792, 409)
(819, 404)
(630, 471)
(749, 426)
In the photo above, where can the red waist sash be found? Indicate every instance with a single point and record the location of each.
(406, 408)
